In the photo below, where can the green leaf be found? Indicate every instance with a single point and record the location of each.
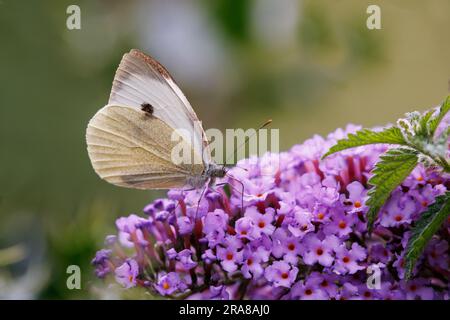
(443, 109)
(428, 224)
(392, 168)
(423, 124)
(363, 137)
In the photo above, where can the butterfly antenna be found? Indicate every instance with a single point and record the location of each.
(247, 139)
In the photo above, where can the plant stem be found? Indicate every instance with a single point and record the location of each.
(441, 161)
(445, 165)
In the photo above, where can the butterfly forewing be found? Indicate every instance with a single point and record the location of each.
(130, 148)
(141, 79)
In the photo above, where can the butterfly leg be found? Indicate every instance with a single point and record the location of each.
(242, 191)
(200, 199)
(190, 189)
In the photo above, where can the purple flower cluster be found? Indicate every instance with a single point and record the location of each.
(284, 226)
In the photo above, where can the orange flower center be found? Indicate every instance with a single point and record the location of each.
(398, 218)
(308, 292)
(249, 262)
(229, 256)
(284, 275)
(346, 259)
(166, 286)
(342, 224)
(261, 224)
(357, 204)
(320, 216)
(319, 251)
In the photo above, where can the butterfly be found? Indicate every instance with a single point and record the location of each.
(130, 140)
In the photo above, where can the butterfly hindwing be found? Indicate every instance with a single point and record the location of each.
(131, 148)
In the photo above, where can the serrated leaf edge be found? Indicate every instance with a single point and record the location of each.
(425, 220)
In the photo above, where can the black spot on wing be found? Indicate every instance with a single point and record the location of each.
(147, 108)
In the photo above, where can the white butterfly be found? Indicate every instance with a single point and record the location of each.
(130, 139)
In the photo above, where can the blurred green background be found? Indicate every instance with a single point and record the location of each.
(311, 66)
